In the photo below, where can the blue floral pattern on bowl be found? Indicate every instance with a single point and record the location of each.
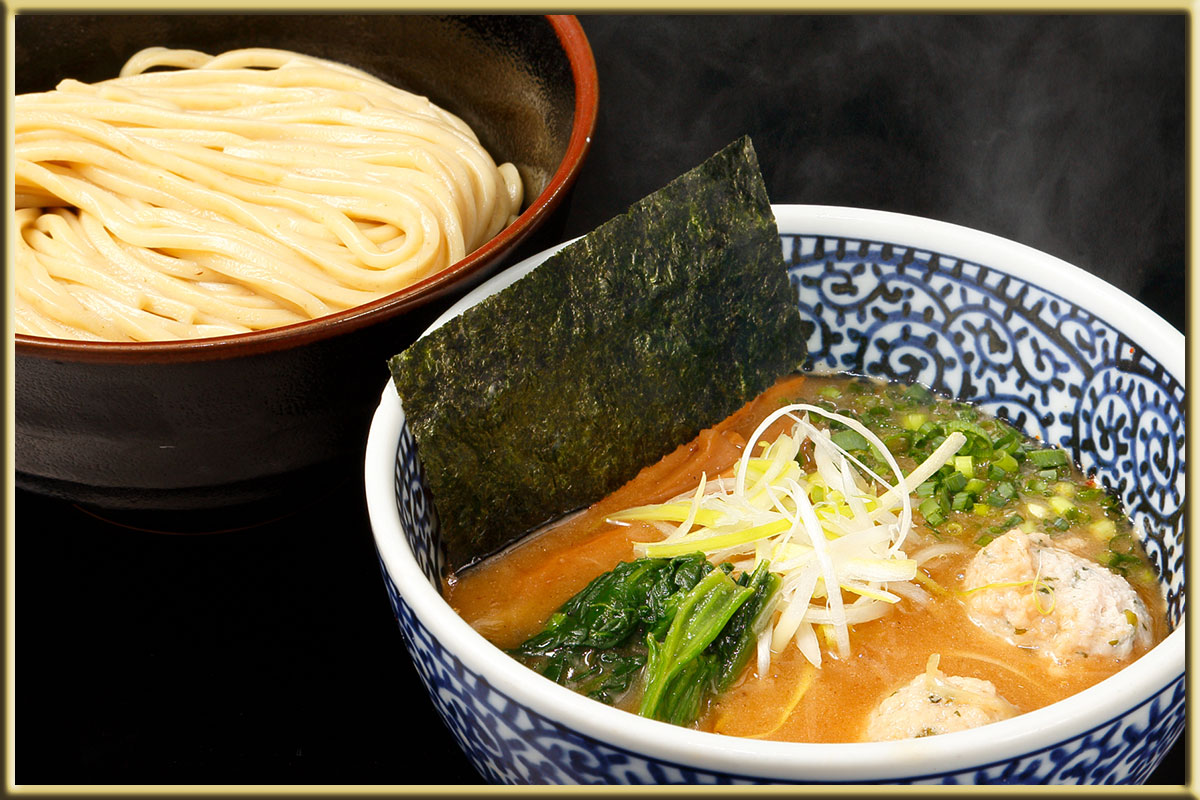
(965, 330)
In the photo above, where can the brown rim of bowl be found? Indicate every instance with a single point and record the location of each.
(583, 68)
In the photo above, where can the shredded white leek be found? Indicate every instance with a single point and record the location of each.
(840, 526)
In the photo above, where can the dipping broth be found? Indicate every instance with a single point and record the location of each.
(1000, 491)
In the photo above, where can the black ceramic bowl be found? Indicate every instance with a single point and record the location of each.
(249, 419)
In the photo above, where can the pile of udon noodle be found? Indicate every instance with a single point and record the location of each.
(237, 192)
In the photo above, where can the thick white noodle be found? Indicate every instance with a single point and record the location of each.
(237, 192)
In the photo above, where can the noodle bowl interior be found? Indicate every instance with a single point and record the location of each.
(195, 196)
(1014, 601)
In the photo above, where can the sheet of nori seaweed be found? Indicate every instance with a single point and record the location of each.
(625, 344)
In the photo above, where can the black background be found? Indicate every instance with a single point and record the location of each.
(268, 655)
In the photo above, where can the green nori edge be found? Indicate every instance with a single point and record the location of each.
(625, 344)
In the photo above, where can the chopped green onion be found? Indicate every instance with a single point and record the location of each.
(971, 429)
(1061, 504)
(1122, 543)
(954, 482)
(1011, 522)
(1077, 514)
(919, 394)
(1060, 524)
(931, 509)
(1049, 458)
(1007, 463)
(1120, 560)
(1009, 442)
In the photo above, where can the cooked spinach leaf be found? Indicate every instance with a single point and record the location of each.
(680, 628)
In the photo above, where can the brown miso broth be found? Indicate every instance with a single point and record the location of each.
(509, 597)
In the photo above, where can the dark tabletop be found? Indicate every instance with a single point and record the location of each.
(269, 655)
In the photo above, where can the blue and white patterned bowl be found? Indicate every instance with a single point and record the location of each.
(1052, 348)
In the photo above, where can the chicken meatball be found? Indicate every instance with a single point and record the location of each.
(933, 703)
(1039, 596)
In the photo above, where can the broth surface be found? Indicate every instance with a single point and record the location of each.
(509, 597)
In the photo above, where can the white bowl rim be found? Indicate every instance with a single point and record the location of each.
(973, 749)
